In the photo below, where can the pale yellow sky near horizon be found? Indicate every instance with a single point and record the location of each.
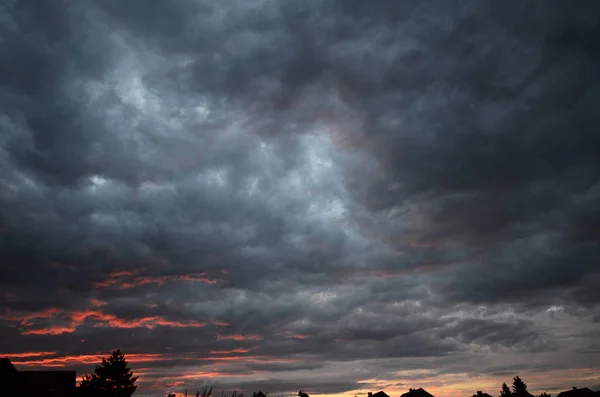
(451, 385)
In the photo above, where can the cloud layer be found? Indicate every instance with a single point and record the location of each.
(332, 195)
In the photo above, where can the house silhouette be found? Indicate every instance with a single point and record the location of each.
(6, 367)
(35, 383)
(575, 392)
(378, 394)
(420, 392)
(481, 394)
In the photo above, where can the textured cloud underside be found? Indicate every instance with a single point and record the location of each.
(334, 195)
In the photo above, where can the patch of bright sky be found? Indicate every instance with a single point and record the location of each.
(215, 177)
(99, 185)
(102, 187)
(319, 180)
(323, 297)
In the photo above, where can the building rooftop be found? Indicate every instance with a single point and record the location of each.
(420, 392)
(36, 383)
(578, 392)
(378, 394)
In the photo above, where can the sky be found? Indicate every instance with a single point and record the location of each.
(339, 196)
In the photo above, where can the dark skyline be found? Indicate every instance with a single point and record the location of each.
(340, 196)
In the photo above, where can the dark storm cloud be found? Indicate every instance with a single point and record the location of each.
(333, 180)
(280, 386)
(520, 334)
(276, 367)
(496, 160)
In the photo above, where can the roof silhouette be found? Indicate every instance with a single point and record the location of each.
(35, 383)
(6, 366)
(420, 392)
(378, 394)
(577, 392)
(481, 394)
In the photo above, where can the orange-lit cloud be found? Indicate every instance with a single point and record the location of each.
(43, 314)
(49, 331)
(101, 319)
(111, 320)
(98, 303)
(126, 280)
(169, 385)
(252, 359)
(240, 350)
(238, 337)
(202, 375)
(85, 359)
(27, 354)
(291, 335)
(35, 360)
(123, 273)
(299, 336)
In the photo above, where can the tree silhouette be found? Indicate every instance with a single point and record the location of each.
(112, 378)
(505, 392)
(519, 387)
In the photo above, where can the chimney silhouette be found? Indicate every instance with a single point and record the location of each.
(479, 392)
(370, 394)
(574, 388)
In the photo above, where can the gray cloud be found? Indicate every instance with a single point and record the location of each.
(408, 184)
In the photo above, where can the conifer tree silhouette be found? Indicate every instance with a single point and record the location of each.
(519, 387)
(112, 378)
(505, 392)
